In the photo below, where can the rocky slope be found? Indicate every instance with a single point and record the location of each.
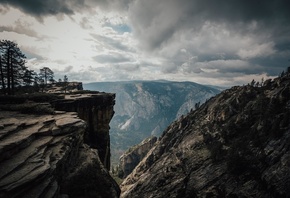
(237, 144)
(145, 108)
(131, 158)
(45, 155)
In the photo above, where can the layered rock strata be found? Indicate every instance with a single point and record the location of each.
(237, 144)
(97, 110)
(45, 155)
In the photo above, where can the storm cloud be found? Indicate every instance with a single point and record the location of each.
(221, 32)
(155, 22)
(226, 41)
(67, 7)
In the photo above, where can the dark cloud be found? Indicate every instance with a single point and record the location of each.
(47, 7)
(241, 10)
(20, 28)
(155, 22)
(229, 36)
(41, 8)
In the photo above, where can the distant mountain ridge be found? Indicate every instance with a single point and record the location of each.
(145, 108)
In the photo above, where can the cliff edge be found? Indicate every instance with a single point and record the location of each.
(45, 155)
(97, 109)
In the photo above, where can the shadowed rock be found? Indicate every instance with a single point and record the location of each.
(237, 144)
(130, 159)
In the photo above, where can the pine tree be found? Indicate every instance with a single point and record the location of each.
(253, 83)
(46, 74)
(29, 77)
(12, 66)
(65, 80)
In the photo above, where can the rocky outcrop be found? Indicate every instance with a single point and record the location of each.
(40, 154)
(63, 87)
(130, 159)
(237, 144)
(44, 154)
(97, 110)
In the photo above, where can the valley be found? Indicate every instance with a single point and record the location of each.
(146, 108)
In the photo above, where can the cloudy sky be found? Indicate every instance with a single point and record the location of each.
(221, 42)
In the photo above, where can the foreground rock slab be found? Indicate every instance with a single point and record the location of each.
(40, 156)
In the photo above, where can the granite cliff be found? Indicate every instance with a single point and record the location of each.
(47, 155)
(131, 158)
(237, 144)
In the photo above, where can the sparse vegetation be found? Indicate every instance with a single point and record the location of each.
(29, 108)
(36, 103)
(259, 116)
(35, 97)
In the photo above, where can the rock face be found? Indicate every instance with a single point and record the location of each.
(130, 159)
(97, 110)
(41, 155)
(237, 144)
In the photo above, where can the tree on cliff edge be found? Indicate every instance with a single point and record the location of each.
(65, 80)
(46, 74)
